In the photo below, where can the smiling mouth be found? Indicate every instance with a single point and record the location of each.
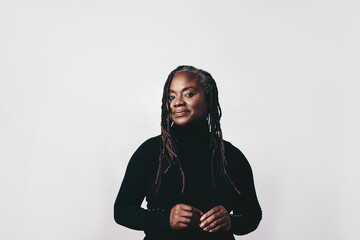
(180, 113)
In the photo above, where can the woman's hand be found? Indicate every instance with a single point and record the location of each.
(216, 219)
(184, 216)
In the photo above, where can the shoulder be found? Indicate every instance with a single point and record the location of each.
(151, 145)
(238, 166)
(147, 152)
(235, 157)
(232, 150)
(151, 142)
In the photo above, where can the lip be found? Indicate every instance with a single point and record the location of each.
(181, 113)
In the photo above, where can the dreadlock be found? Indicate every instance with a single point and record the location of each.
(168, 151)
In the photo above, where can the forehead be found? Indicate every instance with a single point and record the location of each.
(183, 80)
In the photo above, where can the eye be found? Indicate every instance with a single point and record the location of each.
(190, 94)
(171, 98)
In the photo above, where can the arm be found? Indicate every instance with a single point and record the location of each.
(247, 214)
(127, 208)
(247, 211)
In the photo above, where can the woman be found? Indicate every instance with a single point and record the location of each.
(192, 179)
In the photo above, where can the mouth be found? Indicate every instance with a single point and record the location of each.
(180, 113)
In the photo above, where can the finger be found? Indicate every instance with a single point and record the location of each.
(189, 208)
(194, 224)
(181, 226)
(214, 224)
(218, 227)
(193, 216)
(197, 212)
(187, 222)
(211, 219)
(185, 207)
(194, 211)
(184, 220)
(210, 212)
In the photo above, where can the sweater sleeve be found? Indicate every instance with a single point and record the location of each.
(247, 214)
(127, 209)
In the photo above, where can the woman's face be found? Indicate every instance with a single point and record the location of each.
(187, 99)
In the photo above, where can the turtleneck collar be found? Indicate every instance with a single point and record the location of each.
(193, 132)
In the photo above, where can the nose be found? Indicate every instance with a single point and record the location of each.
(178, 102)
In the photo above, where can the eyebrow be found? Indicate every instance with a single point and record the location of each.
(184, 89)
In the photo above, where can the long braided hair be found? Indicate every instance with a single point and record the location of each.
(168, 151)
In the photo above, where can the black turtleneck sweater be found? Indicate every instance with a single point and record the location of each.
(193, 146)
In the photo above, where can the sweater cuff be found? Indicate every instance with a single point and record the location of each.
(235, 218)
(162, 217)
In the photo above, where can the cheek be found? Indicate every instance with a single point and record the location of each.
(200, 106)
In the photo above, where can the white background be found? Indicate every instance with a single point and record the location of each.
(81, 85)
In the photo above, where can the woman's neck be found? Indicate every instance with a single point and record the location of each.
(192, 132)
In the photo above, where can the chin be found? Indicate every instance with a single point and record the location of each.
(181, 123)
